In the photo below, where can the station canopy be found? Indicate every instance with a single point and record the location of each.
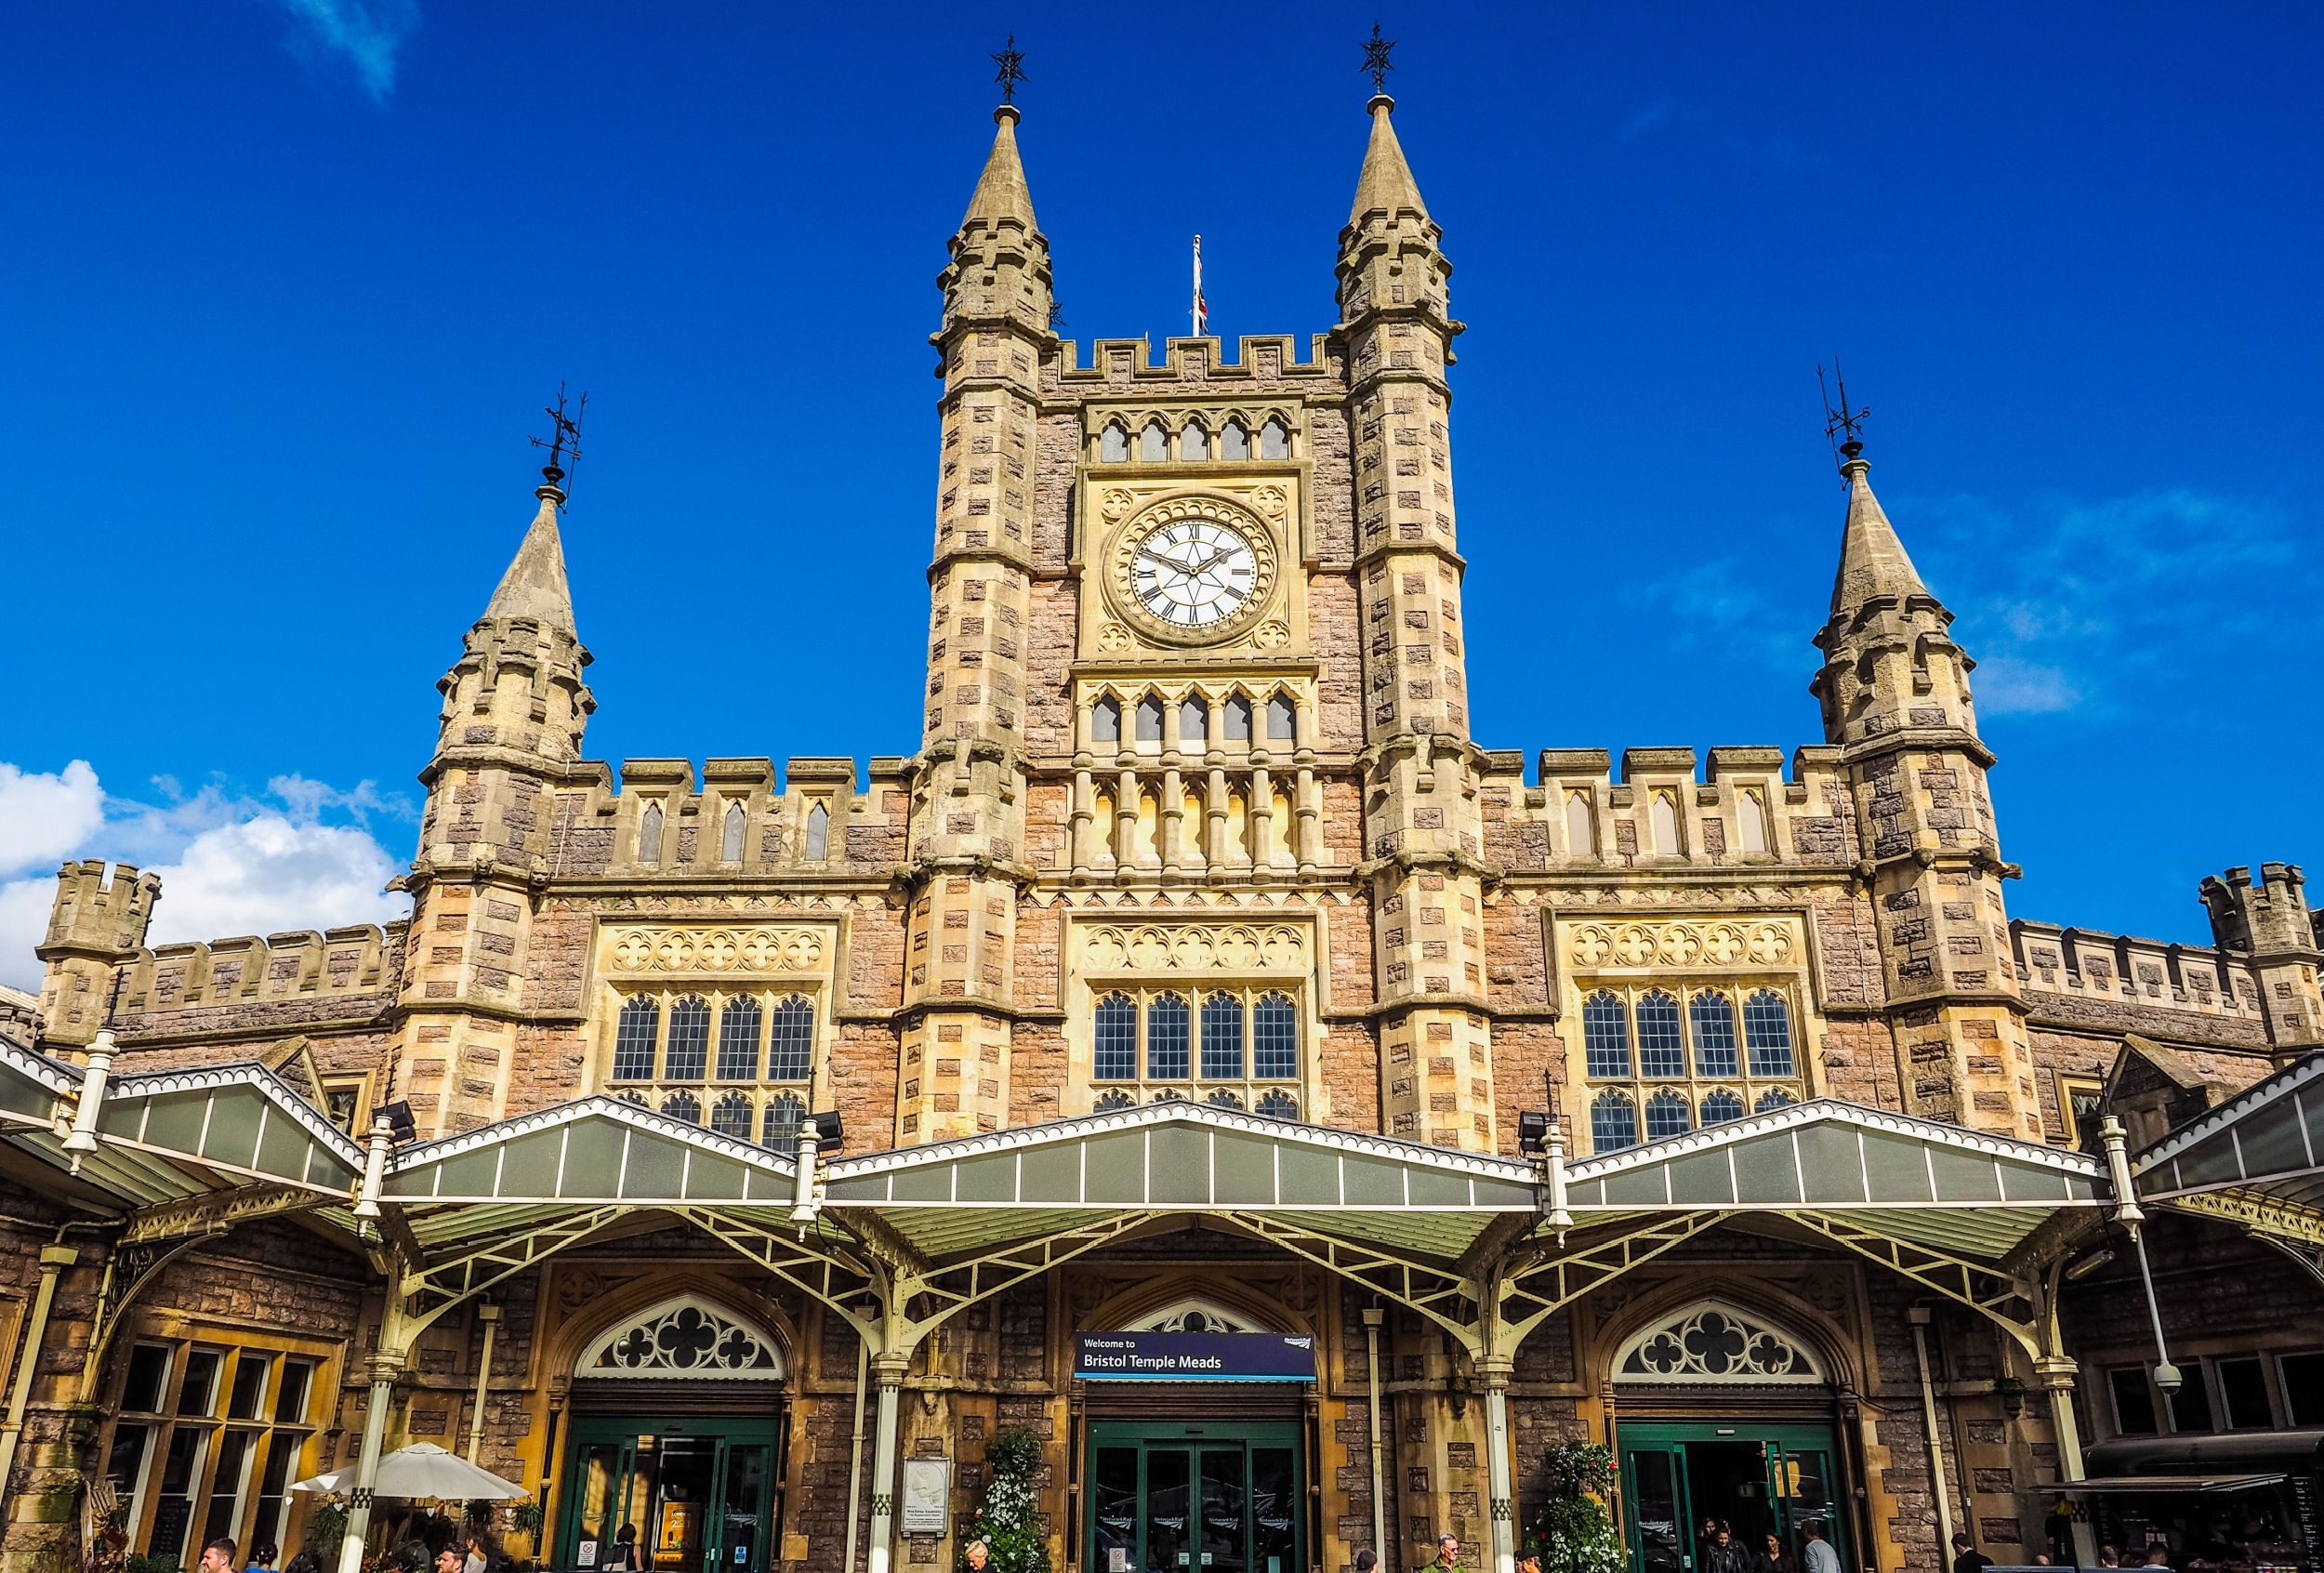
(188, 1149)
(2253, 1161)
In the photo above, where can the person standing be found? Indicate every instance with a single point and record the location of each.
(1967, 1558)
(218, 1556)
(1447, 1554)
(1821, 1556)
(1725, 1553)
(1773, 1558)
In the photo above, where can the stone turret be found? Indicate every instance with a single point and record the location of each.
(1895, 696)
(515, 708)
(968, 820)
(1422, 827)
(93, 929)
(2272, 923)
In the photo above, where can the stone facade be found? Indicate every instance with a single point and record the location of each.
(1113, 810)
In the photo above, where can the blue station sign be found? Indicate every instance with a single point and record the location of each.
(1158, 1356)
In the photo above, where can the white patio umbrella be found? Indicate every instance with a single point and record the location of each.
(426, 1473)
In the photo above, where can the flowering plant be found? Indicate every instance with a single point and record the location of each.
(1009, 1522)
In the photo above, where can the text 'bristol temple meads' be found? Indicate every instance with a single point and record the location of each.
(1197, 978)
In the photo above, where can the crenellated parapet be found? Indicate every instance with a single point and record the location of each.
(252, 986)
(93, 927)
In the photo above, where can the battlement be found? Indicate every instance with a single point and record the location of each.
(93, 918)
(2272, 917)
(1671, 806)
(1261, 359)
(2087, 979)
(651, 819)
(295, 964)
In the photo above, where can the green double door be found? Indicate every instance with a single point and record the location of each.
(645, 1496)
(1166, 1494)
(1758, 1480)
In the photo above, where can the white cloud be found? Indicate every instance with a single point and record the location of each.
(45, 817)
(230, 862)
(2006, 686)
(366, 33)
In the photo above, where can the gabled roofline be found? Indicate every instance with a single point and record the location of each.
(243, 1073)
(1820, 1111)
(620, 1110)
(2260, 1094)
(56, 1075)
(1178, 1112)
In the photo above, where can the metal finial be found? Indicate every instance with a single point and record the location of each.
(1844, 428)
(1376, 60)
(564, 447)
(1012, 63)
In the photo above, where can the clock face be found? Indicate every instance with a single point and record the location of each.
(1193, 573)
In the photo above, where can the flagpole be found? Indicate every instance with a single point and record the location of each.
(1196, 314)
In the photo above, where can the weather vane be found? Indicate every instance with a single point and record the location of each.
(1843, 421)
(1012, 63)
(564, 448)
(1376, 60)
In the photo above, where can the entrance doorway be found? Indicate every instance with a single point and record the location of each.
(1759, 1480)
(1166, 1494)
(645, 1496)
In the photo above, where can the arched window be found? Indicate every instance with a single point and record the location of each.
(818, 833)
(1661, 1046)
(1149, 719)
(1114, 444)
(1282, 720)
(790, 1048)
(1751, 822)
(738, 1042)
(1105, 721)
(1666, 1115)
(1722, 1106)
(634, 1097)
(731, 1116)
(1274, 1039)
(1224, 1100)
(1234, 442)
(687, 1056)
(1193, 442)
(1167, 1023)
(1155, 443)
(1237, 720)
(1613, 1123)
(1113, 1049)
(1222, 1037)
(1666, 825)
(1274, 441)
(683, 1105)
(634, 1032)
(1715, 1034)
(730, 843)
(1581, 829)
(1278, 1104)
(1606, 1034)
(780, 1132)
(1767, 1033)
(650, 834)
(1116, 1099)
(1194, 721)
(1774, 1098)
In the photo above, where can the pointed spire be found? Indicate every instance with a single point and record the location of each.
(1873, 565)
(535, 585)
(1001, 192)
(1386, 183)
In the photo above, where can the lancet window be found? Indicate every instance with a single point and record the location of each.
(1692, 1067)
(1197, 1044)
(663, 1058)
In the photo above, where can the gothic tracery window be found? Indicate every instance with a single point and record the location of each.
(1282, 720)
(1613, 1122)
(1105, 721)
(683, 1105)
(1222, 1036)
(1666, 1115)
(1234, 442)
(1661, 1050)
(1606, 1034)
(1115, 1053)
(731, 1116)
(1114, 444)
(1194, 721)
(784, 1116)
(1767, 1034)
(1166, 1034)
(1715, 1344)
(1720, 1107)
(686, 1057)
(738, 1042)
(1713, 1017)
(683, 1338)
(1225, 1039)
(1193, 442)
(1237, 728)
(1275, 440)
(1155, 444)
(791, 1045)
(635, 1034)
(1691, 1049)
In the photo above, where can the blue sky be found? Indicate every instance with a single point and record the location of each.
(284, 283)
